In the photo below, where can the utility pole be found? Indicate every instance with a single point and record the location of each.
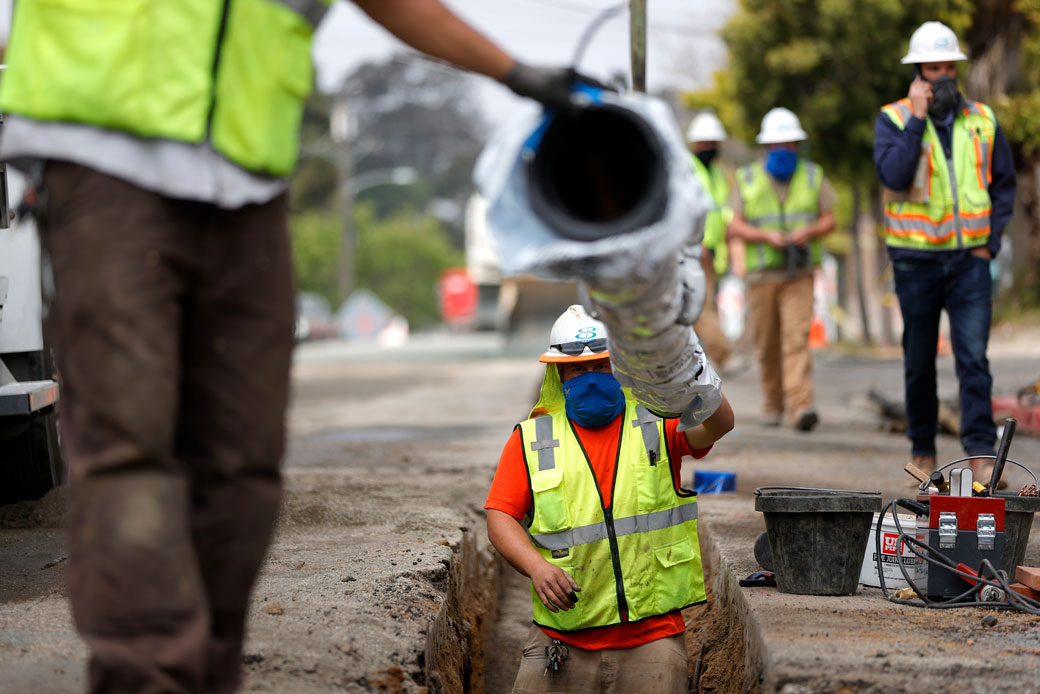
(340, 131)
(637, 39)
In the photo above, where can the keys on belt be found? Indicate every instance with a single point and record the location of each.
(555, 654)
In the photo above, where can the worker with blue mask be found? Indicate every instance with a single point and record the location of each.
(782, 208)
(948, 187)
(587, 503)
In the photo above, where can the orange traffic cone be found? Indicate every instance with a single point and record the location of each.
(817, 334)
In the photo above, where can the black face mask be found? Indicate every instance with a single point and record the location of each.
(945, 97)
(707, 156)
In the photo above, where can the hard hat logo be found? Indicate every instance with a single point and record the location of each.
(586, 334)
(942, 42)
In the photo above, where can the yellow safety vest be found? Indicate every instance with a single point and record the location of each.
(762, 208)
(637, 558)
(234, 74)
(947, 205)
(713, 180)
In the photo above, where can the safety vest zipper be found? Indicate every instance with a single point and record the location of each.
(216, 66)
(948, 156)
(615, 560)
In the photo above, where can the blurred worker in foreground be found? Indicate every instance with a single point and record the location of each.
(586, 502)
(704, 136)
(782, 207)
(165, 133)
(949, 188)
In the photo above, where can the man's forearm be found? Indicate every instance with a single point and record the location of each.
(509, 538)
(740, 228)
(430, 27)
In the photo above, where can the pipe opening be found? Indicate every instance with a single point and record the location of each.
(598, 173)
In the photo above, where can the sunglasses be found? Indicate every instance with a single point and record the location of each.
(573, 349)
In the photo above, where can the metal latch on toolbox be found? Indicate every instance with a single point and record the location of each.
(948, 529)
(986, 531)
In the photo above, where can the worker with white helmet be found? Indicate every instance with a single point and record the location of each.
(704, 136)
(948, 188)
(782, 207)
(586, 502)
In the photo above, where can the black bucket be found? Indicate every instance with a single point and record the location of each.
(599, 172)
(1018, 520)
(817, 537)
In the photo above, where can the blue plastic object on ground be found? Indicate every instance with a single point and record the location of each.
(711, 482)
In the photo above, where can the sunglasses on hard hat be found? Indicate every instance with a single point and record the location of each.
(573, 349)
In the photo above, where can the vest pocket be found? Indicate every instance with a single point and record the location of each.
(675, 574)
(550, 504)
(654, 486)
(565, 620)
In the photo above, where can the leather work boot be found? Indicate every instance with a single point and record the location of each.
(982, 470)
(926, 464)
(806, 420)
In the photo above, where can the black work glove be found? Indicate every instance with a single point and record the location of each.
(551, 86)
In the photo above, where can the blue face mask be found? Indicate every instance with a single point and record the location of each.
(593, 398)
(781, 164)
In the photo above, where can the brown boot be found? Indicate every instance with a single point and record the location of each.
(924, 463)
(982, 471)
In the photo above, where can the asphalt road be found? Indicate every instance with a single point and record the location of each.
(381, 538)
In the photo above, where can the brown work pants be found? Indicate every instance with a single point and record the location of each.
(708, 328)
(171, 325)
(658, 667)
(780, 312)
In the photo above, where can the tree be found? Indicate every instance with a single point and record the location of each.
(834, 63)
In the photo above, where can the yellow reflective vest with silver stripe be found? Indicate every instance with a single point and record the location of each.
(234, 74)
(637, 558)
(947, 205)
(713, 180)
(762, 208)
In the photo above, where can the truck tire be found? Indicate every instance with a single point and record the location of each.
(30, 461)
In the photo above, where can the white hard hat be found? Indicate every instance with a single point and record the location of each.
(705, 127)
(933, 42)
(780, 125)
(576, 336)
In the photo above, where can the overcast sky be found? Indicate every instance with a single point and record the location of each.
(683, 49)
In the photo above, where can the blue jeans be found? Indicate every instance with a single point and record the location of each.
(961, 285)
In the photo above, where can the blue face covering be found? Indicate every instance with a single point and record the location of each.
(593, 398)
(781, 164)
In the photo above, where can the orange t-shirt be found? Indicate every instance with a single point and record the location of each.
(511, 493)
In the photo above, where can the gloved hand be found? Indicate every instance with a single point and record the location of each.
(694, 286)
(552, 86)
(706, 392)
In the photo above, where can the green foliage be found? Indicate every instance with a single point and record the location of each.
(1019, 113)
(833, 62)
(315, 239)
(401, 258)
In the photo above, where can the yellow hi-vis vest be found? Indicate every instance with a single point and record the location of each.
(713, 180)
(948, 204)
(762, 208)
(637, 558)
(231, 73)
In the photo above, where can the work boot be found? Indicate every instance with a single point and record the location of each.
(806, 420)
(925, 463)
(982, 471)
(771, 419)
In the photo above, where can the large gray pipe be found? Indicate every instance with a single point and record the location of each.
(609, 197)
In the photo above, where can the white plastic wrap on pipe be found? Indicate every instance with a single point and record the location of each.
(633, 281)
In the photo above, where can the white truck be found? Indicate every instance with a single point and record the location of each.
(30, 461)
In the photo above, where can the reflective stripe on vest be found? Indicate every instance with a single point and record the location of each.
(762, 208)
(643, 523)
(232, 73)
(947, 205)
(635, 558)
(545, 444)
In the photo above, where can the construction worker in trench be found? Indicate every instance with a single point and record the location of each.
(782, 208)
(704, 136)
(948, 186)
(165, 133)
(586, 502)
